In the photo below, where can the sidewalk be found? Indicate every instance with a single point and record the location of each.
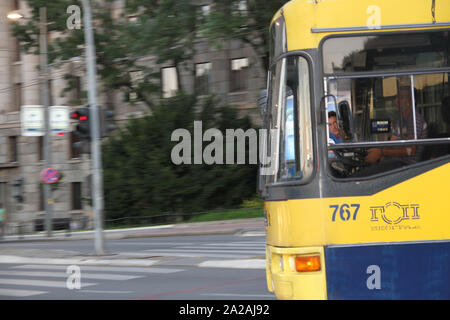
(244, 227)
(181, 229)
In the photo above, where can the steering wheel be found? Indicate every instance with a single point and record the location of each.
(348, 161)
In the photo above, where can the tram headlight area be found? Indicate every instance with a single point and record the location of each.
(290, 269)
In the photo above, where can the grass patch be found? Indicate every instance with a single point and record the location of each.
(243, 213)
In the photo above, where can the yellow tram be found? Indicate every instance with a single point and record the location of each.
(357, 191)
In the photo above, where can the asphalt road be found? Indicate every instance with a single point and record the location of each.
(206, 267)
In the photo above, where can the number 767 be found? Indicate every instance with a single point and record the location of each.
(345, 211)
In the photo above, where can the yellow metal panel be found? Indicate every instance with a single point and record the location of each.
(302, 15)
(416, 209)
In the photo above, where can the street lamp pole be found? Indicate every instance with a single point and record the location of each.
(97, 175)
(47, 143)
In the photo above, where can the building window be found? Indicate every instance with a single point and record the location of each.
(74, 152)
(77, 88)
(240, 7)
(50, 92)
(202, 76)
(132, 18)
(41, 197)
(238, 78)
(12, 149)
(40, 151)
(17, 96)
(76, 196)
(17, 50)
(169, 82)
(205, 10)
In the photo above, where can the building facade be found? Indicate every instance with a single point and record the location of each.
(232, 74)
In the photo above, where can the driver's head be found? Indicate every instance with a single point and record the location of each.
(404, 99)
(332, 123)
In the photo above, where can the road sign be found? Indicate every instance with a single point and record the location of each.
(50, 175)
(59, 120)
(33, 121)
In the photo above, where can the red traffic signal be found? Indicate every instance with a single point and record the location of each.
(74, 115)
(81, 114)
(83, 129)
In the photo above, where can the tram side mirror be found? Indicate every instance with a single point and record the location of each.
(262, 103)
(346, 118)
(327, 100)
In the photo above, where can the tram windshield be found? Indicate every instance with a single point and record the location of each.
(376, 107)
(385, 108)
(389, 52)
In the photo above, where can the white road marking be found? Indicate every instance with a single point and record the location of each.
(104, 276)
(99, 269)
(235, 264)
(20, 293)
(201, 250)
(240, 245)
(39, 283)
(198, 254)
(106, 292)
(125, 243)
(239, 295)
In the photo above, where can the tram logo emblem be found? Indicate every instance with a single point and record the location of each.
(393, 212)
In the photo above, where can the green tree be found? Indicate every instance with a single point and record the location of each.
(247, 21)
(141, 180)
(165, 29)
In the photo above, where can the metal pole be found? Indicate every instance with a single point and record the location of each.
(97, 175)
(43, 48)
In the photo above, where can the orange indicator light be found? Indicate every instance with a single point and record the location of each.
(307, 263)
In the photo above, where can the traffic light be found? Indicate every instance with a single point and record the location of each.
(106, 116)
(83, 127)
(82, 132)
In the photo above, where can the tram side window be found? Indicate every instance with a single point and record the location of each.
(292, 110)
(385, 109)
(433, 102)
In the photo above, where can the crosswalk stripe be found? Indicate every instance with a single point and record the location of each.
(101, 269)
(238, 264)
(201, 250)
(198, 254)
(20, 293)
(150, 243)
(239, 245)
(221, 248)
(239, 295)
(104, 276)
(248, 242)
(39, 283)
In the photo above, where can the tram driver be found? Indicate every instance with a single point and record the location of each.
(395, 157)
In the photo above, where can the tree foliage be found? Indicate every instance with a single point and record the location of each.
(165, 29)
(229, 19)
(141, 180)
